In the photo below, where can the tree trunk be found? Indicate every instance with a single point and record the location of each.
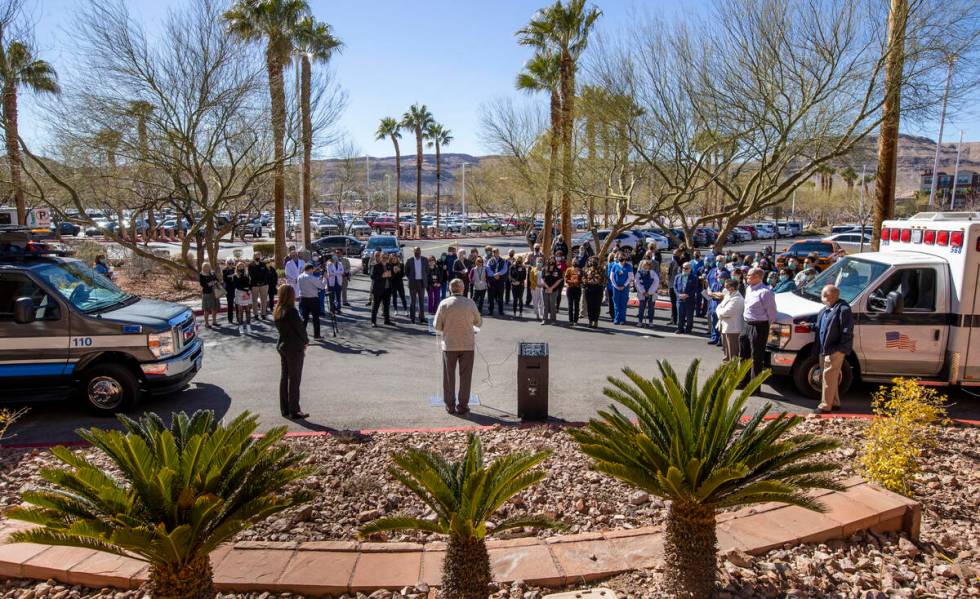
(398, 183)
(307, 146)
(890, 117)
(567, 118)
(418, 180)
(690, 551)
(277, 95)
(193, 581)
(549, 200)
(13, 149)
(466, 571)
(438, 182)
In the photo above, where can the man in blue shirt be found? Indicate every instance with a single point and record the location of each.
(620, 277)
(497, 270)
(686, 287)
(835, 338)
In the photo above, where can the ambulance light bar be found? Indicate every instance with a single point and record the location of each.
(953, 239)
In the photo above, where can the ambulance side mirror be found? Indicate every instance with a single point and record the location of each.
(24, 310)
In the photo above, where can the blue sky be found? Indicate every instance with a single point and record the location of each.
(452, 55)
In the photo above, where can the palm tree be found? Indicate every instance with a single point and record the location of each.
(275, 22)
(439, 137)
(891, 110)
(564, 29)
(686, 446)
(464, 495)
(541, 74)
(390, 128)
(418, 119)
(141, 111)
(314, 42)
(180, 492)
(20, 68)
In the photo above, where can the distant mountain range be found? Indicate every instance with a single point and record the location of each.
(915, 155)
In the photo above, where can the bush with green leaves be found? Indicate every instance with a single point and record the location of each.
(464, 495)
(687, 445)
(176, 495)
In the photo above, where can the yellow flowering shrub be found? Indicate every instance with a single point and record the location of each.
(904, 427)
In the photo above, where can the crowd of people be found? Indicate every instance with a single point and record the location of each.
(734, 293)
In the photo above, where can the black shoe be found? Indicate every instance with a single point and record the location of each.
(463, 411)
(450, 410)
(389, 323)
(347, 304)
(374, 324)
(299, 416)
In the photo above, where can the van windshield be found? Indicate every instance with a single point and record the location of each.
(850, 275)
(84, 288)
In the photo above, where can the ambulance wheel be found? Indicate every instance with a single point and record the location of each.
(808, 377)
(109, 388)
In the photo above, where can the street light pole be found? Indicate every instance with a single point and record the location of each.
(462, 196)
(861, 206)
(956, 171)
(939, 142)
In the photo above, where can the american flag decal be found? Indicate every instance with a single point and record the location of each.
(896, 340)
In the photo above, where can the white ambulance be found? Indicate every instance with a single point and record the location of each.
(915, 301)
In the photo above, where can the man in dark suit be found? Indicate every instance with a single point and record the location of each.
(686, 286)
(417, 273)
(497, 271)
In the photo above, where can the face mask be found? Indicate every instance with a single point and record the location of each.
(783, 277)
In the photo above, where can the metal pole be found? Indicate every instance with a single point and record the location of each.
(463, 197)
(956, 171)
(367, 168)
(861, 206)
(793, 208)
(939, 142)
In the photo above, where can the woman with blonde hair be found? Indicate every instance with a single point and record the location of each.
(243, 298)
(292, 350)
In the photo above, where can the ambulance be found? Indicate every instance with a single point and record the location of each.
(916, 304)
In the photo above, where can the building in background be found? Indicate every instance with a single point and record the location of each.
(967, 188)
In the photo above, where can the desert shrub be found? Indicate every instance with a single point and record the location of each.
(267, 250)
(138, 265)
(88, 251)
(7, 419)
(904, 427)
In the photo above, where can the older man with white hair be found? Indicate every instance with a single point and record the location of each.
(835, 338)
(455, 318)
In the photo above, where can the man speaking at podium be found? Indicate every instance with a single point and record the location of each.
(455, 319)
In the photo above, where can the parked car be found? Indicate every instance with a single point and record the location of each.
(388, 244)
(627, 239)
(100, 227)
(352, 246)
(382, 224)
(358, 227)
(851, 241)
(826, 252)
(764, 231)
(65, 228)
(741, 235)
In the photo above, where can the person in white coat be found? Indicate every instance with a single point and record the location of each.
(731, 319)
(294, 268)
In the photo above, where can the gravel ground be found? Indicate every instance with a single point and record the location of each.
(353, 487)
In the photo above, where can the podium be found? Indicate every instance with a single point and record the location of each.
(532, 381)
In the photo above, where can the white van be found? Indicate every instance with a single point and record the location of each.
(915, 304)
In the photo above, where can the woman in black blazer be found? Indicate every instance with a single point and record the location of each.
(292, 349)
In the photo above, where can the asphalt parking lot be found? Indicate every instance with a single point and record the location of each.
(387, 377)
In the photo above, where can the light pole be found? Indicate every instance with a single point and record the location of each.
(462, 195)
(939, 142)
(956, 171)
(861, 207)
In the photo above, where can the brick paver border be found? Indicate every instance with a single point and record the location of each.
(336, 567)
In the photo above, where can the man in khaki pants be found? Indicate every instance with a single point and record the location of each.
(835, 337)
(455, 318)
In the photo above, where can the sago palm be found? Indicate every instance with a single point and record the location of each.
(686, 446)
(389, 127)
(178, 494)
(418, 119)
(274, 21)
(439, 137)
(542, 74)
(464, 495)
(19, 68)
(563, 28)
(314, 42)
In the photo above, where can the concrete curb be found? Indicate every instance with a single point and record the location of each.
(336, 567)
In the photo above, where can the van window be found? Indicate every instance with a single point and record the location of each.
(917, 287)
(14, 286)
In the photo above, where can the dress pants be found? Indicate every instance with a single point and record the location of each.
(832, 364)
(291, 361)
(538, 303)
(753, 344)
(416, 288)
(574, 302)
(450, 361)
(261, 295)
(517, 295)
(673, 306)
(344, 289)
(550, 305)
(497, 296)
(507, 286)
(713, 333)
(685, 315)
(478, 296)
(593, 302)
(397, 291)
(336, 293)
(621, 298)
(433, 299)
(310, 307)
(647, 307)
(729, 343)
(381, 299)
(230, 296)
